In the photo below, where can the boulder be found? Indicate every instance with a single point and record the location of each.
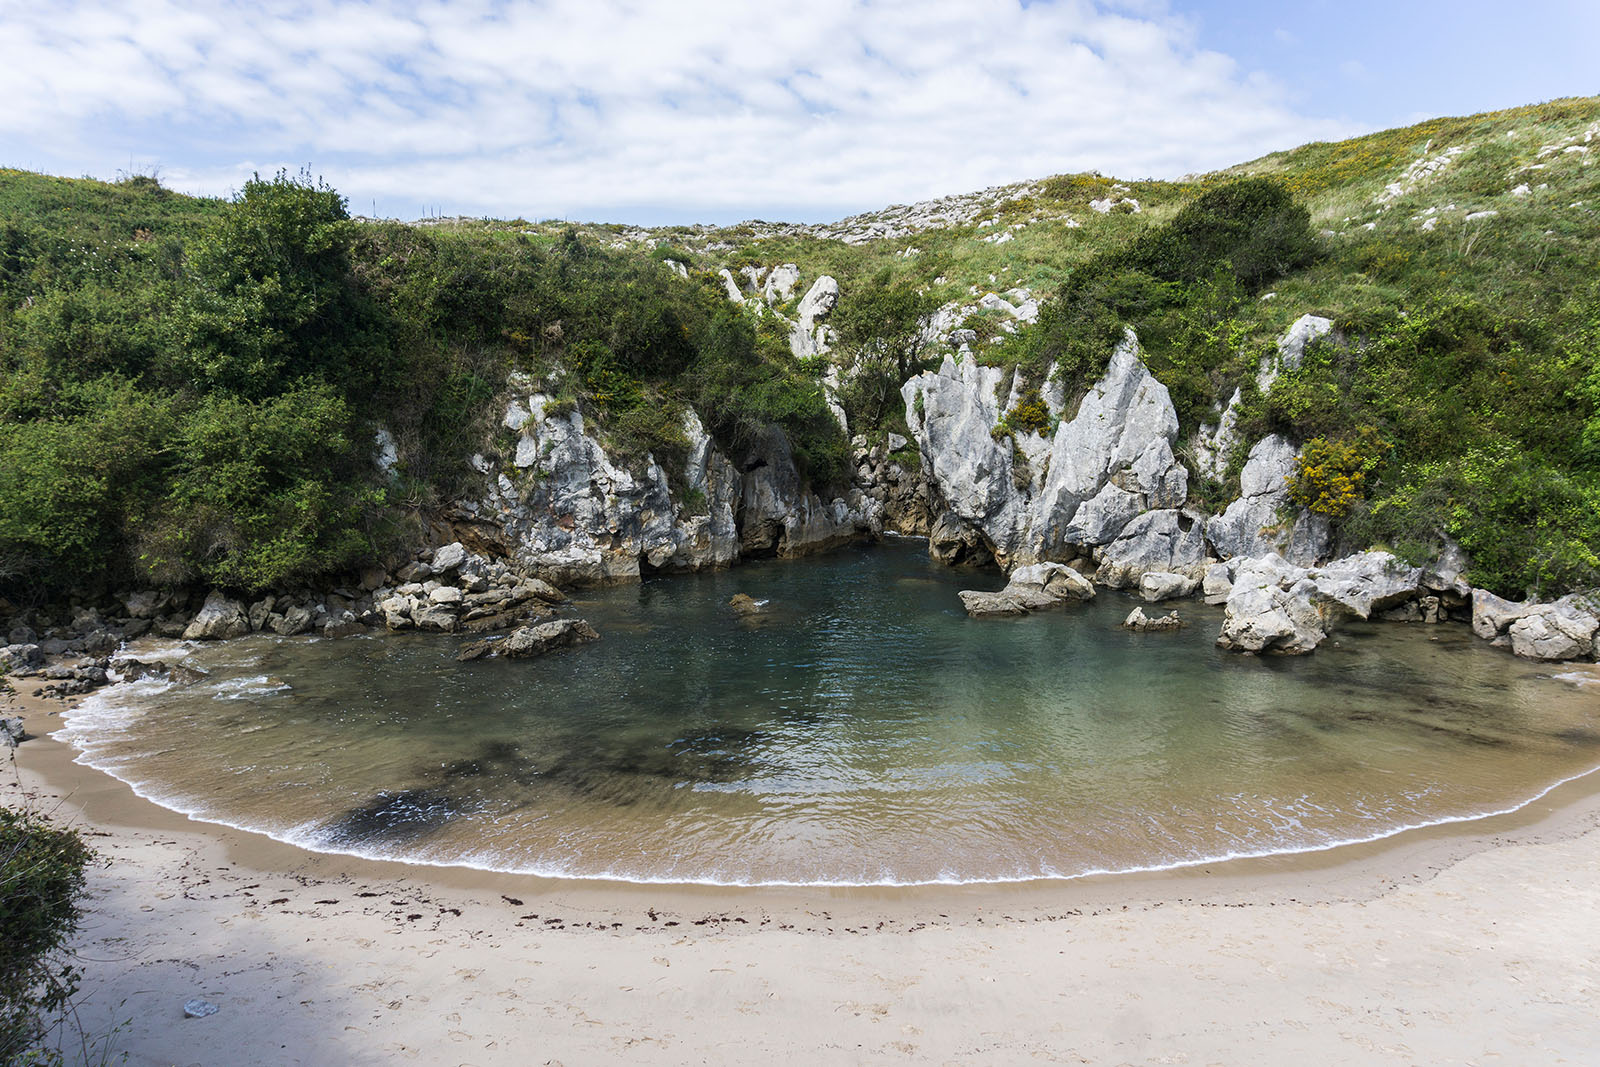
(1560, 631)
(433, 617)
(20, 658)
(448, 559)
(445, 595)
(1445, 574)
(1271, 609)
(1031, 588)
(145, 604)
(11, 732)
(1217, 583)
(1141, 623)
(294, 620)
(372, 578)
(220, 617)
(1368, 582)
(1054, 580)
(101, 643)
(1164, 585)
(1492, 616)
(546, 637)
(22, 635)
(531, 588)
(1163, 541)
(414, 572)
(344, 626)
(260, 611)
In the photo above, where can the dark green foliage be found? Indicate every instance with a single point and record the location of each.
(192, 397)
(272, 298)
(41, 877)
(259, 490)
(1218, 248)
(1481, 433)
(880, 324)
(1253, 225)
(746, 382)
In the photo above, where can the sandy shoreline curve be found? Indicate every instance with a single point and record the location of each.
(1471, 943)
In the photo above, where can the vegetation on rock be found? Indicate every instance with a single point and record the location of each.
(190, 388)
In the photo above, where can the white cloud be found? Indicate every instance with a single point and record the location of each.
(603, 108)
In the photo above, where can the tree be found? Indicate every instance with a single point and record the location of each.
(882, 327)
(274, 297)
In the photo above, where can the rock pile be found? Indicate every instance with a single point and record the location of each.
(528, 642)
(1032, 588)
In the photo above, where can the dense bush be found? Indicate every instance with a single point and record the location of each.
(1218, 249)
(881, 324)
(189, 389)
(41, 876)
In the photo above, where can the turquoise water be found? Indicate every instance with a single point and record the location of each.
(862, 730)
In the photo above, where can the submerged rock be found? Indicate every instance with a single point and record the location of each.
(546, 637)
(1139, 622)
(984, 605)
(744, 604)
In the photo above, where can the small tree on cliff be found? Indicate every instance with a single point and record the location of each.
(882, 327)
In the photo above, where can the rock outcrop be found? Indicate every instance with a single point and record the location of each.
(570, 512)
(1271, 608)
(1029, 498)
(1031, 588)
(1253, 525)
(1565, 629)
(221, 617)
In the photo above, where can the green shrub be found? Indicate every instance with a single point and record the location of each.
(1330, 476)
(41, 878)
(1030, 414)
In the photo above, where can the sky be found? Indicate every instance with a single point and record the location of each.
(721, 110)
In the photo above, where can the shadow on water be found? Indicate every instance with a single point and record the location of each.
(619, 774)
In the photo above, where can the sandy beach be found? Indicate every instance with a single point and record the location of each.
(1472, 944)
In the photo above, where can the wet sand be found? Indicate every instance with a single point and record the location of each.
(1476, 943)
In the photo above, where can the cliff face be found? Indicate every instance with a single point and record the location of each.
(568, 511)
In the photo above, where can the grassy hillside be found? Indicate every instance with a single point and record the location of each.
(191, 387)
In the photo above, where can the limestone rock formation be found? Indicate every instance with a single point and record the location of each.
(571, 513)
(1156, 586)
(221, 617)
(1027, 498)
(1271, 609)
(1367, 582)
(1251, 526)
(1031, 588)
(1562, 630)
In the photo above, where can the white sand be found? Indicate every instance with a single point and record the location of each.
(1476, 945)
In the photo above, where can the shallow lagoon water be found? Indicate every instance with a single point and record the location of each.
(862, 731)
